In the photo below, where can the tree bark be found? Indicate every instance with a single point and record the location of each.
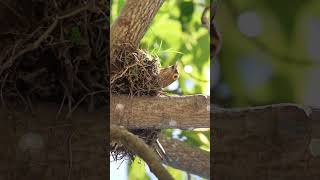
(257, 117)
(41, 146)
(190, 159)
(133, 22)
(270, 142)
(183, 112)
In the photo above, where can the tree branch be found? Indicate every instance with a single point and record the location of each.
(236, 118)
(181, 112)
(138, 145)
(186, 158)
(279, 140)
(133, 22)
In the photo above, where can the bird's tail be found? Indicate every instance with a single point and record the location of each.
(161, 152)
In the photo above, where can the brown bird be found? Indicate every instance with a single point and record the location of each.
(168, 75)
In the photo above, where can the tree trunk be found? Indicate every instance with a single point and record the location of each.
(133, 22)
(39, 146)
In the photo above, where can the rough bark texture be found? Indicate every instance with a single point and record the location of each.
(186, 158)
(181, 112)
(40, 146)
(133, 22)
(268, 142)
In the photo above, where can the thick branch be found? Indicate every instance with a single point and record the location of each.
(257, 116)
(279, 141)
(181, 112)
(133, 22)
(143, 150)
(186, 158)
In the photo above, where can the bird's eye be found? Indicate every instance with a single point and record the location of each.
(175, 76)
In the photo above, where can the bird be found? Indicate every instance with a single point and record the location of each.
(168, 75)
(161, 152)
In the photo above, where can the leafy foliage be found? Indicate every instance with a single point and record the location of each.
(280, 56)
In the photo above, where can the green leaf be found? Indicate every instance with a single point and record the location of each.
(137, 170)
(176, 173)
(120, 5)
(193, 138)
(200, 51)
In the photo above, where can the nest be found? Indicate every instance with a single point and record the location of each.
(135, 73)
(58, 54)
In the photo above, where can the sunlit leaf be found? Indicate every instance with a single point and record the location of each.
(137, 170)
(176, 174)
(203, 138)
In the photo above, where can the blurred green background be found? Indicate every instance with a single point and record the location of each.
(176, 35)
(270, 53)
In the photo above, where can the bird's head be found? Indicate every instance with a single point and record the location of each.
(168, 75)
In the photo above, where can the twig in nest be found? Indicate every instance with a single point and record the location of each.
(144, 151)
(61, 106)
(37, 43)
(22, 18)
(75, 11)
(119, 75)
(30, 47)
(82, 99)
